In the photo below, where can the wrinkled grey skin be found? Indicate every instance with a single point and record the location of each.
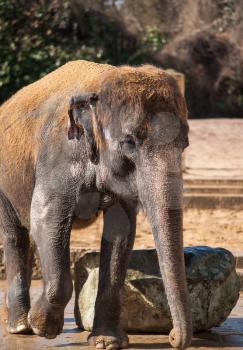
(74, 179)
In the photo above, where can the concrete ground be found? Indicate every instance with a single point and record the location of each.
(228, 337)
(216, 149)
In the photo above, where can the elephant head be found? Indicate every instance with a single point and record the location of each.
(136, 129)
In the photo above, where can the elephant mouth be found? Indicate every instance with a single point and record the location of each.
(106, 201)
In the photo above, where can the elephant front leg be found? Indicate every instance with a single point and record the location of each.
(50, 228)
(116, 246)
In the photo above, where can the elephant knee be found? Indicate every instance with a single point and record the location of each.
(59, 292)
(17, 238)
(12, 231)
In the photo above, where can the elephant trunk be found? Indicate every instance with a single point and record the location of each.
(161, 191)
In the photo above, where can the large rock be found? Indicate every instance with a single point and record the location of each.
(213, 286)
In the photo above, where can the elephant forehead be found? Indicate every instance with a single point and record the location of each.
(164, 127)
(127, 122)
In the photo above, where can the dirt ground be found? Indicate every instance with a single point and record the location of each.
(215, 228)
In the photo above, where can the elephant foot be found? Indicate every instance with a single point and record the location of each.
(107, 339)
(20, 328)
(17, 322)
(178, 341)
(17, 314)
(46, 319)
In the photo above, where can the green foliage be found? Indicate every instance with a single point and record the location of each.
(227, 14)
(37, 36)
(234, 92)
(35, 39)
(152, 41)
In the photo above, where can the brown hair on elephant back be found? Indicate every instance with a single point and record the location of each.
(142, 87)
(138, 90)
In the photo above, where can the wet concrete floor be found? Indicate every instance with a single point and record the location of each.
(228, 336)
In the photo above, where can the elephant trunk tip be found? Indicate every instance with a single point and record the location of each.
(180, 340)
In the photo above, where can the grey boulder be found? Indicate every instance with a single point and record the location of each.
(212, 282)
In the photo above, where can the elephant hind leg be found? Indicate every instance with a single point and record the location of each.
(18, 262)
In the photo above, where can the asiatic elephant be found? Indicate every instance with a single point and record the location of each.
(87, 138)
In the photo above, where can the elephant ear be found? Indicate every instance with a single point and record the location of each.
(184, 142)
(81, 114)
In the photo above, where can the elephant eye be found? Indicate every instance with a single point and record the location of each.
(127, 143)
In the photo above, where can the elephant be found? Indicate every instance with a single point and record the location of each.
(84, 139)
